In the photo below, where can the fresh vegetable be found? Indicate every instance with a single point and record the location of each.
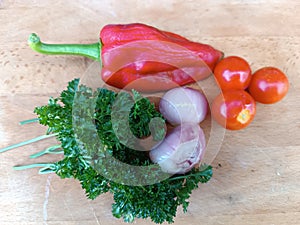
(141, 57)
(104, 136)
(181, 150)
(268, 85)
(81, 120)
(234, 109)
(183, 105)
(233, 73)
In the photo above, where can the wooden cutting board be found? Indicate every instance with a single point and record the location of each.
(256, 171)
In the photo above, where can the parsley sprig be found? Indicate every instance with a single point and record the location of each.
(94, 129)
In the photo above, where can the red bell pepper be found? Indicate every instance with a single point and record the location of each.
(141, 57)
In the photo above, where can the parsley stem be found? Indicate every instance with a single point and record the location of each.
(50, 150)
(46, 170)
(29, 121)
(30, 166)
(27, 142)
(205, 172)
(47, 167)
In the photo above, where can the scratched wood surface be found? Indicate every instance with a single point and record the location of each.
(257, 170)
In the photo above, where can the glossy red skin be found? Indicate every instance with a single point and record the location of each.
(150, 76)
(234, 109)
(233, 73)
(268, 85)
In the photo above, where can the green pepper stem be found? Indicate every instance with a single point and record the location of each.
(91, 51)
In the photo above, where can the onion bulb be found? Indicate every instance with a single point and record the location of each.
(183, 105)
(181, 149)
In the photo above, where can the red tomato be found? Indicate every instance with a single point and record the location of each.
(233, 73)
(268, 85)
(234, 109)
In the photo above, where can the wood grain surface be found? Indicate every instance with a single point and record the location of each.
(257, 170)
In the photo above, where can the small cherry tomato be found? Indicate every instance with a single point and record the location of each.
(233, 73)
(268, 85)
(234, 109)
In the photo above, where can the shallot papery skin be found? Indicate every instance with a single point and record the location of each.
(183, 105)
(181, 150)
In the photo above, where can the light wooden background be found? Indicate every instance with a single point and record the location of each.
(257, 171)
